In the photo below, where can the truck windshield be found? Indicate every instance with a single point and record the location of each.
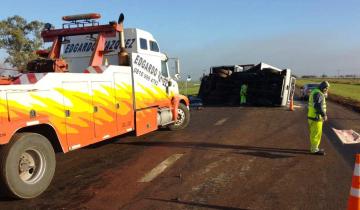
(154, 47)
(164, 69)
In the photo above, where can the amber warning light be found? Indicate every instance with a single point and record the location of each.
(82, 17)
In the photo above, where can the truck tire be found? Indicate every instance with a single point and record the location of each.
(183, 118)
(222, 75)
(27, 165)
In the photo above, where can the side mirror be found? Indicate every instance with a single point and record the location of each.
(166, 57)
(177, 76)
(177, 67)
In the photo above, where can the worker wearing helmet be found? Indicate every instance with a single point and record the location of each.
(317, 115)
(243, 93)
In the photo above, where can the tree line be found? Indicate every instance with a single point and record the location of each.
(20, 39)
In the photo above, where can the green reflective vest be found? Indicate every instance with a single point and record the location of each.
(243, 90)
(311, 109)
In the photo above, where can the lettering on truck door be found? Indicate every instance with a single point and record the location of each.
(78, 114)
(148, 81)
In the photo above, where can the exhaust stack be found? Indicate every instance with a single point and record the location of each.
(123, 55)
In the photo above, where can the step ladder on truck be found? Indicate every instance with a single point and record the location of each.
(65, 102)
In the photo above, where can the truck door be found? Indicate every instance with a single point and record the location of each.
(124, 101)
(78, 111)
(165, 77)
(104, 110)
(285, 92)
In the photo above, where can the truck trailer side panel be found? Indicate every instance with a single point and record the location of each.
(104, 109)
(124, 101)
(75, 104)
(78, 114)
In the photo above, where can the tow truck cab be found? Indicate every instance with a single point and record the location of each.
(141, 46)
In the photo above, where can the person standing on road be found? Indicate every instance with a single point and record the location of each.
(243, 93)
(317, 116)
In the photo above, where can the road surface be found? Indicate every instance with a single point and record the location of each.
(228, 158)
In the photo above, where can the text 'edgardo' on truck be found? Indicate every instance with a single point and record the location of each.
(96, 82)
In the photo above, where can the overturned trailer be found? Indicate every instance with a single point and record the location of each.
(267, 85)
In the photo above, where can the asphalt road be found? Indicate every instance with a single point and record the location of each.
(232, 158)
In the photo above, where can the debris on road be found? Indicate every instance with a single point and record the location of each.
(347, 136)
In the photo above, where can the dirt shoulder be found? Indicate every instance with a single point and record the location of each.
(347, 102)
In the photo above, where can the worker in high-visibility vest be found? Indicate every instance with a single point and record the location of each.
(317, 115)
(243, 93)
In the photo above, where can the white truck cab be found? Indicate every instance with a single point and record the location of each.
(141, 46)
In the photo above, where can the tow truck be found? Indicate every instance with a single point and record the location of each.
(77, 94)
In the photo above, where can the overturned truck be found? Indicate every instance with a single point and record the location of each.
(267, 85)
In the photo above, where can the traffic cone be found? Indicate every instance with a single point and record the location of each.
(291, 106)
(354, 199)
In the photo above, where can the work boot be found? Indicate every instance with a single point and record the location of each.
(319, 152)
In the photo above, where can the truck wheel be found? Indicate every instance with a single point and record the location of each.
(27, 165)
(183, 118)
(222, 75)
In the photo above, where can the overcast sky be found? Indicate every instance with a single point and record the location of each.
(308, 36)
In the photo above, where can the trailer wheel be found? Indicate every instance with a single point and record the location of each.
(222, 75)
(183, 118)
(27, 165)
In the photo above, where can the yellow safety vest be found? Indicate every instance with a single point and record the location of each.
(311, 109)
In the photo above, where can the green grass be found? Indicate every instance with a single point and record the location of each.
(350, 81)
(348, 88)
(192, 88)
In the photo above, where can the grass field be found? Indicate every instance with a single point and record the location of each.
(192, 88)
(350, 81)
(348, 88)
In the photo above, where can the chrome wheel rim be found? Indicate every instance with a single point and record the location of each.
(31, 166)
(180, 117)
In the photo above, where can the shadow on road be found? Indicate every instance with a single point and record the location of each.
(266, 155)
(342, 118)
(259, 151)
(5, 197)
(188, 203)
